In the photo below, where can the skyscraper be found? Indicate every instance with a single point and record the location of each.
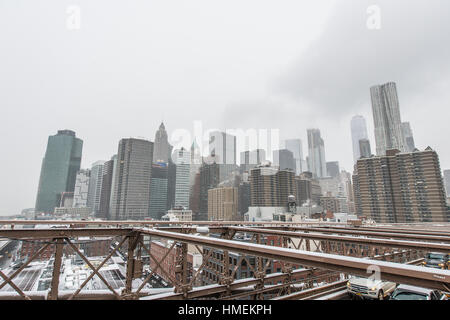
(105, 194)
(161, 150)
(364, 148)
(359, 132)
(295, 146)
(182, 159)
(387, 120)
(131, 187)
(59, 169)
(284, 159)
(222, 147)
(95, 187)
(408, 135)
(209, 179)
(80, 194)
(158, 190)
(250, 159)
(333, 169)
(316, 157)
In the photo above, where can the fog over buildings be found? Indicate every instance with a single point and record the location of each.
(264, 64)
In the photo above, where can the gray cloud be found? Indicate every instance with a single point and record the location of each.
(411, 48)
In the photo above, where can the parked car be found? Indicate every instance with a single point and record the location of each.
(369, 288)
(406, 292)
(437, 260)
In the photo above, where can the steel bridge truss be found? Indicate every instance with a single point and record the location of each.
(307, 254)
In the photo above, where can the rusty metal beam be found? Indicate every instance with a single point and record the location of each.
(418, 276)
(349, 239)
(360, 231)
(55, 233)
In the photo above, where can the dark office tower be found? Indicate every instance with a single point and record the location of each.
(401, 187)
(333, 169)
(364, 147)
(158, 190)
(316, 157)
(387, 120)
(408, 135)
(171, 182)
(59, 169)
(131, 187)
(244, 199)
(194, 199)
(161, 151)
(105, 195)
(284, 159)
(209, 179)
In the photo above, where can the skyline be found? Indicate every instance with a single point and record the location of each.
(139, 106)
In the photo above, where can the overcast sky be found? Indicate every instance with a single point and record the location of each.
(263, 64)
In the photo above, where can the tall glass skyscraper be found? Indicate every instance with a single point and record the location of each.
(295, 146)
(387, 120)
(359, 132)
(182, 159)
(59, 169)
(132, 178)
(316, 154)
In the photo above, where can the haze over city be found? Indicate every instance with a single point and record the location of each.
(293, 66)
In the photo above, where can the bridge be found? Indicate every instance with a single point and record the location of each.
(315, 259)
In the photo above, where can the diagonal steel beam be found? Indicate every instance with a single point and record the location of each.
(14, 286)
(26, 264)
(93, 268)
(158, 265)
(97, 269)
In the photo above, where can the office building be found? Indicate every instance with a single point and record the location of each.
(161, 151)
(59, 169)
(333, 169)
(296, 147)
(408, 136)
(95, 187)
(284, 159)
(316, 156)
(250, 159)
(105, 194)
(80, 194)
(364, 147)
(182, 159)
(159, 190)
(209, 179)
(359, 132)
(131, 187)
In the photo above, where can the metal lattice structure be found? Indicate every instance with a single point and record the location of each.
(307, 253)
